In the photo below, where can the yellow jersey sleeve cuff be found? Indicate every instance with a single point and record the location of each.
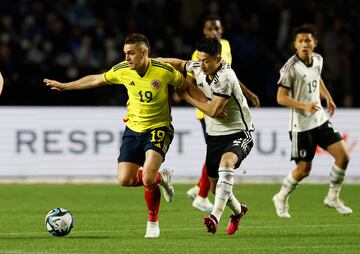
(199, 114)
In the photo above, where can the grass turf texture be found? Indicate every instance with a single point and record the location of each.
(112, 219)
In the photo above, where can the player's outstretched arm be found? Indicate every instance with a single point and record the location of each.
(178, 64)
(250, 95)
(285, 100)
(87, 82)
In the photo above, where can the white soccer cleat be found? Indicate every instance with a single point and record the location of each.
(202, 204)
(193, 192)
(152, 230)
(281, 206)
(338, 205)
(166, 185)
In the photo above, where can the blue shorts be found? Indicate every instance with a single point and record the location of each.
(135, 144)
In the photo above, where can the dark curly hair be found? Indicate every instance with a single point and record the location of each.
(211, 17)
(305, 28)
(209, 45)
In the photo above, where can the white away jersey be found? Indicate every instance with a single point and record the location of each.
(303, 83)
(225, 84)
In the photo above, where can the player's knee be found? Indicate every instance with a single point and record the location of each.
(343, 160)
(303, 170)
(147, 180)
(125, 181)
(305, 173)
(122, 182)
(229, 160)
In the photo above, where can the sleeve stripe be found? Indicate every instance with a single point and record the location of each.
(284, 86)
(163, 67)
(185, 66)
(120, 66)
(291, 62)
(106, 80)
(222, 95)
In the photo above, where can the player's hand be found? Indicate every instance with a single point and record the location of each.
(254, 99)
(312, 107)
(54, 85)
(331, 107)
(223, 114)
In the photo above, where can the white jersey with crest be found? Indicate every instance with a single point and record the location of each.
(303, 82)
(224, 84)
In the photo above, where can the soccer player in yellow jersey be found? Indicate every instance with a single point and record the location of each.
(213, 29)
(148, 132)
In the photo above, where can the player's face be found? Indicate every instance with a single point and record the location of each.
(305, 44)
(209, 64)
(135, 55)
(213, 29)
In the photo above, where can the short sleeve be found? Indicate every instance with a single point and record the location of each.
(285, 77)
(177, 79)
(321, 64)
(113, 76)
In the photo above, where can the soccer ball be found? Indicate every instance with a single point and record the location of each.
(59, 222)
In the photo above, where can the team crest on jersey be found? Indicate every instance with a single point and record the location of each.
(302, 153)
(155, 84)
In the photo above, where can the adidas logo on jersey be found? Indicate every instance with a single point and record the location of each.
(237, 142)
(132, 83)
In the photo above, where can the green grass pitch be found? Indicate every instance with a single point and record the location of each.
(112, 219)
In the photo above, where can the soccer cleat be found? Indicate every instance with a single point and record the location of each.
(234, 221)
(166, 185)
(152, 229)
(210, 223)
(338, 205)
(193, 192)
(202, 204)
(281, 206)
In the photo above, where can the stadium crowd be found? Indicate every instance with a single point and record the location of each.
(67, 39)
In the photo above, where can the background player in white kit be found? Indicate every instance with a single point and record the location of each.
(300, 88)
(229, 139)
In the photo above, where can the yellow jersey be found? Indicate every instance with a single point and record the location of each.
(225, 54)
(149, 104)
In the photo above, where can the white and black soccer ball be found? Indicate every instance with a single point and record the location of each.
(59, 222)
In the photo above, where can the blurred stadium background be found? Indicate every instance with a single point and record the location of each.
(67, 39)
